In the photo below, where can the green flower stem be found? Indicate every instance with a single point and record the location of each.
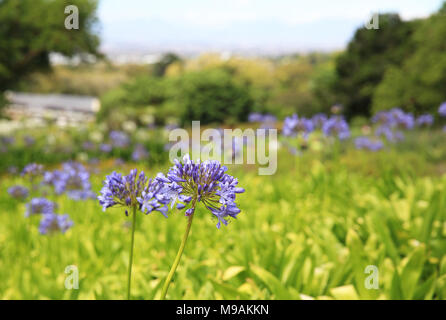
(129, 279)
(178, 257)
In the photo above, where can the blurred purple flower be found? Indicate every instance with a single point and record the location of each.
(119, 139)
(336, 126)
(39, 206)
(442, 109)
(18, 192)
(140, 153)
(367, 143)
(52, 223)
(425, 120)
(293, 125)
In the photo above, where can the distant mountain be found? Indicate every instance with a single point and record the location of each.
(257, 37)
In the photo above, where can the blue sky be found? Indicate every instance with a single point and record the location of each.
(243, 24)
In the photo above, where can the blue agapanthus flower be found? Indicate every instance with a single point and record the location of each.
(39, 206)
(390, 134)
(442, 109)
(18, 192)
(105, 147)
(255, 117)
(140, 153)
(119, 139)
(293, 126)
(32, 169)
(52, 223)
(368, 144)
(73, 179)
(336, 126)
(424, 120)
(206, 182)
(394, 118)
(132, 190)
(319, 120)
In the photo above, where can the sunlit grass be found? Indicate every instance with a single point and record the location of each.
(308, 231)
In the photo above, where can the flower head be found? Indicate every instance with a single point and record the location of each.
(39, 206)
(73, 179)
(319, 120)
(119, 139)
(140, 153)
(32, 170)
(367, 143)
(132, 190)
(336, 126)
(52, 222)
(294, 125)
(442, 109)
(18, 192)
(206, 182)
(425, 120)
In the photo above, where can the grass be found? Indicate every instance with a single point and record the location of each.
(309, 231)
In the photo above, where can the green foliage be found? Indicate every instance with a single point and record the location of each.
(161, 66)
(418, 84)
(213, 96)
(32, 29)
(369, 54)
(307, 232)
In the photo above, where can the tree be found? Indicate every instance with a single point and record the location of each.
(159, 69)
(368, 56)
(213, 96)
(419, 84)
(32, 29)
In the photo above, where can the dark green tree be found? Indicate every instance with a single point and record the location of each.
(32, 29)
(369, 54)
(419, 85)
(213, 96)
(159, 69)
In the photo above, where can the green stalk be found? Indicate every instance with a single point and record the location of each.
(129, 279)
(178, 257)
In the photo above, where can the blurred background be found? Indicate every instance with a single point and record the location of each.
(218, 61)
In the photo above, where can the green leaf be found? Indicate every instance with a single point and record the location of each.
(347, 292)
(275, 286)
(232, 272)
(412, 271)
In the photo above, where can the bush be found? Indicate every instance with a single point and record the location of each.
(213, 96)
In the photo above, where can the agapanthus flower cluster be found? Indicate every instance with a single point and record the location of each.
(88, 146)
(73, 179)
(255, 117)
(39, 206)
(424, 120)
(32, 170)
(18, 192)
(105, 147)
(132, 190)
(52, 223)
(442, 109)
(293, 126)
(319, 120)
(140, 153)
(29, 141)
(267, 120)
(7, 141)
(390, 134)
(368, 144)
(119, 139)
(394, 118)
(336, 126)
(206, 182)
